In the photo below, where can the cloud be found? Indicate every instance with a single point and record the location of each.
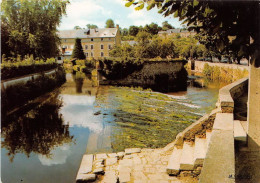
(83, 12)
(58, 156)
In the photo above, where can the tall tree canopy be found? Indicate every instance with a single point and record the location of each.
(30, 27)
(152, 28)
(92, 26)
(166, 26)
(78, 52)
(77, 27)
(110, 23)
(216, 22)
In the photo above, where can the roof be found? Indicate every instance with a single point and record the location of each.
(88, 33)
(174, 31)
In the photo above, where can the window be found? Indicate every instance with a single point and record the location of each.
(102, 39)
(109, 47)
(86, 54)
(86, 47)
(92, 47)
(59, 58)
(102, 54)
(91, 39)
(91, 54)
(102, 47)
(65, 40)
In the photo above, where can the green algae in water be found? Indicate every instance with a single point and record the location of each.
(143, 118)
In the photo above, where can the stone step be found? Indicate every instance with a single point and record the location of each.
(200, 151)
(208, 136)
(239, 132)
(187, 156)
(173, 167)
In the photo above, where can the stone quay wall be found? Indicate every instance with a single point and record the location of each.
(158, 75)
(199, 65)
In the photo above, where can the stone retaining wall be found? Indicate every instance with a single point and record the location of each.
(157, 75)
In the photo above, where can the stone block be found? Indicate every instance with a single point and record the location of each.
(223, 121)
(111, 161)
(112, 155)
(100, 156)
(132, 150)
(124, 176)
(86, 178)
(219, 163)
(86, 164)
(110, 177)
(239, 132)
(187, 157)
(98, 170)
(173, 167)
(120, 154)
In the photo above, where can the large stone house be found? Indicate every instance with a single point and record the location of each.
(175, 32)
(96, 43)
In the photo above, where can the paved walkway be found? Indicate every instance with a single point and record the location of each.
(137, 166)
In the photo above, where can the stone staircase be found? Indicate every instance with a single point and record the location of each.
(190, 156)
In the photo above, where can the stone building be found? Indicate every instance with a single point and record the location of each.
(96, 43)
(175, 32)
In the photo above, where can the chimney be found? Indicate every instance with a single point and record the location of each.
(117, 26)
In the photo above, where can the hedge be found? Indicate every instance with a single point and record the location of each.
(11, 69)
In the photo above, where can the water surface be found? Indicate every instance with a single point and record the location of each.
(46, 143)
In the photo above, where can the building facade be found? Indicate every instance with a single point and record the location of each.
(96, 43)
(175, 32)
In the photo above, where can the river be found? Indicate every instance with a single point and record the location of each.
(45, 143)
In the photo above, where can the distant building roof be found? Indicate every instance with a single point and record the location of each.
(88, 33)
(169, 31)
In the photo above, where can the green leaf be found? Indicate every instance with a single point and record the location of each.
(195, 3)
(129, 4)
(175, 14)
(139, 7)
(150, 6)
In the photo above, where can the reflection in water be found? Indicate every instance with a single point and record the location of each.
(59, 156)
(39, 131)
(80, 118)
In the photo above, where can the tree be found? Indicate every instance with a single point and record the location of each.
(124, 32)
(152, 28)
(78, 50)
(110, 23)
(133, 30)
(77, 27)
(217, 20)
(92, 26)
(30, 27)
(166, 26)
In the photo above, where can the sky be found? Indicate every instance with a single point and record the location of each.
(83, 12)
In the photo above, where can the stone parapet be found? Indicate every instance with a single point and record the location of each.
(229, 93)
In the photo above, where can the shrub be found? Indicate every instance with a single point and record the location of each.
(15, 67)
